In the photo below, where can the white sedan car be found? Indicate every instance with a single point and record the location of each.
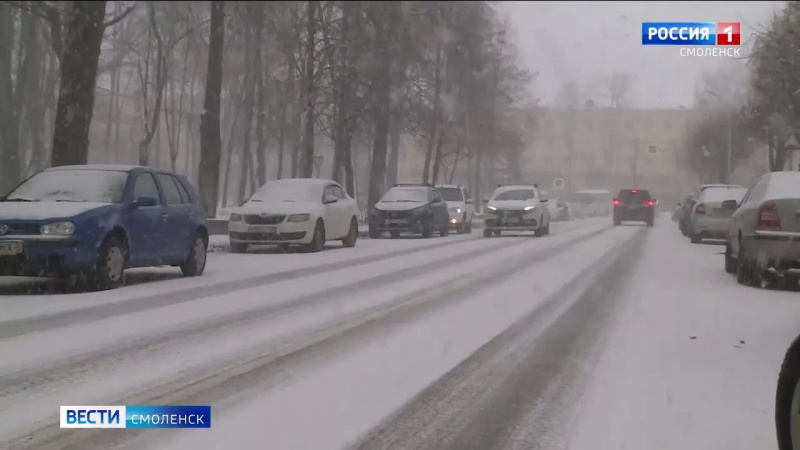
(295, 211)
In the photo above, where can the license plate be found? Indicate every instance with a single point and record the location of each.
(10, 248)
(396, 222)
(512, 220)
(262, 229)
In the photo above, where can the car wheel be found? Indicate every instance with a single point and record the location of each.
(195, 262)
(374, 232)
(427, 228)
(730, 261)
(444, 230)
(787, 399)
(238, 247)
(469, 226)
(487, 232)
(318, 241)
(352, 234)
(109, 272)
(695, 238)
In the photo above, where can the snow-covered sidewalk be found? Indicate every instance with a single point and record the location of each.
(694, 360)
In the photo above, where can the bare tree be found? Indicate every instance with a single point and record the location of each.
(210, 140)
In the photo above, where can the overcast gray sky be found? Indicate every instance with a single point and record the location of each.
(587, 41)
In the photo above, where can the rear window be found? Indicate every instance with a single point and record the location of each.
(722, 194)
(451, 194)
(633, 196)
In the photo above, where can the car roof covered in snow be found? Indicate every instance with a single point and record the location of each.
(114, 167)
(783, 185)
(309, 181)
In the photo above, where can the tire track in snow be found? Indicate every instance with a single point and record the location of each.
(511, 392)
(277, 361)
(65, 370)
(28, 325)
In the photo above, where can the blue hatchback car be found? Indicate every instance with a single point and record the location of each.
(92, 222)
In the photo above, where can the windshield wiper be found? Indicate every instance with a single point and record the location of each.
(19, 200)
(72, 201)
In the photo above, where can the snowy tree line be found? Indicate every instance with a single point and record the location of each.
(768, 112)
(234, 85)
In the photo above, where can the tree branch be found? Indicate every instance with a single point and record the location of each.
(120, 17)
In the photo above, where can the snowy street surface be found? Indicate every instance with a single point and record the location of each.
(592, 338)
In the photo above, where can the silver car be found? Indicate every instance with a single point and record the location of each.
(763, 242)
(708, 219)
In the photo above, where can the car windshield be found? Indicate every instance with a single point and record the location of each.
(451, 194)
(516, 194)
(97, 186)
(289, 191)
(409, 194)
(634, 196)
(722, 194)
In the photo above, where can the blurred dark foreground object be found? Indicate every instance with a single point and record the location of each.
(787, 400)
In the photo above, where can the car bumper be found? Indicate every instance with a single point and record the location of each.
(640, 214)
(45, 256)
(525, 223)
(282, 233)
(408, 224)
(711, 227)
(774, 247)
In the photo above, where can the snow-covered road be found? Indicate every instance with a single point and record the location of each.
(595, 337)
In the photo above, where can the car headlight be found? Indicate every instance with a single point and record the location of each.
(58, 229)
(298, 218)
(455, 210)
(492, 208)
(235, 218)
(528, 208)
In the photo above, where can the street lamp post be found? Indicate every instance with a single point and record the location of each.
(729, 149)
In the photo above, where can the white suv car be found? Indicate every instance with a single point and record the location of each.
(516, 208)
(459, 206)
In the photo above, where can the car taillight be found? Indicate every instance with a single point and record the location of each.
(768, 218)
(617, 202)
(650, 203)
(700, 209)
(633, 191)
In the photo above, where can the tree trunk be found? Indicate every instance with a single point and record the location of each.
(9, 175)
(248, 105)
(78, 79)
(308, 139)
(151, 124)
(437, 157)
(377, 176)
(395, 126)
(261, 116)
(210, 140)
(437, 88)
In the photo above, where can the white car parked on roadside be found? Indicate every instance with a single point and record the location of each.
(295, 211)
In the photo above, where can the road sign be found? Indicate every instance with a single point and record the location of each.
(652, 149)
(558, 183)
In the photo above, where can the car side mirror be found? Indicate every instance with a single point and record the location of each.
(436, 200)
(328, 199)
(468, 202)
(145, 202)
(730, 205)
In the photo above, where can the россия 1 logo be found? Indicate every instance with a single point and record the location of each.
(712, 38)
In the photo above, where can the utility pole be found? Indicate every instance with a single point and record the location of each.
(635, 163)
(730, 150)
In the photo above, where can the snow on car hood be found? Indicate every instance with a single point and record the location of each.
(276, 207)
(512, 204)
(45, 210)
(398, 206)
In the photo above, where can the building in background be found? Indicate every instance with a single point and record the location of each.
(611, 148)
